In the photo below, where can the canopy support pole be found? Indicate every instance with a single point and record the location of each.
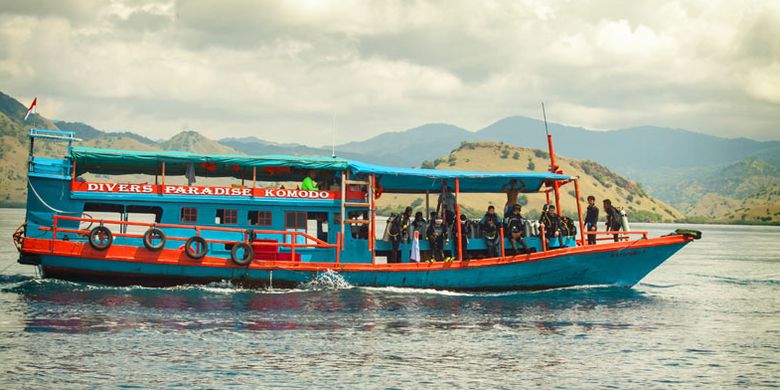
(457, 219)
(427, 213)
(372, 215)
(343, 207)
(162, 177)
(579, 211)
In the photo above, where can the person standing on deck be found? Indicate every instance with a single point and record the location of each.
(436, 234)
(446, 206)
(591, 219)
(512, 192)
(407, 233)
(419, 224)
(308, 183)
(612, 218)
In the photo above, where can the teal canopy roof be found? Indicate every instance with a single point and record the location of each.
(286, 168)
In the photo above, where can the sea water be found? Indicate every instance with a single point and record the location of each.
(708, 317)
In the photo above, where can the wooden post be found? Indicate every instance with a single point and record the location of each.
(338, 247)
(457, 219)
(579, 211)
(372, 216)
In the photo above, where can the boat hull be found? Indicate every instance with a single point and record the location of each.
(618, 264)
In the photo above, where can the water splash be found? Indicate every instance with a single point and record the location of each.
(327, 280)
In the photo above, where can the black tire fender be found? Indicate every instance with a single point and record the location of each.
(149, 235)
(200, 242)
(249, 254)
(104, 238)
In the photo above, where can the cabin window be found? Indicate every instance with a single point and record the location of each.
(147, 214)
(189, 215)
(295, 220)
(260, 218)
(226, 217)
(104, 211)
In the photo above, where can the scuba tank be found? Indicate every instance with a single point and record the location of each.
(624, 220)
(528, 227)
(390, 221)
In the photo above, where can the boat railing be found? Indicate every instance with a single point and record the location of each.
(293, 243)
(622, 235)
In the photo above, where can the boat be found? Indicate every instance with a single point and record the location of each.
(142, 218)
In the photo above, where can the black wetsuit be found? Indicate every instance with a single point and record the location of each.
(552, 224)
(463, 244)
(491, 237)
(516, 230)
(591, 222)
(395, 238)
(436, 234)
(613, 221)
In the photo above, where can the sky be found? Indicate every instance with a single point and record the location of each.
(292, 71)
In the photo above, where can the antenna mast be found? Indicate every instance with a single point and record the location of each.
(333, 137)
(544, 114)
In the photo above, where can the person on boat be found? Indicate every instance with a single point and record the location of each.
(516, 229)
(591, 219)
(419, 224)
(406, 225)
(395, 235)
(512, 191)
(308, 183)
(552, 224)
(612, 218)
(436, 234)
(446, 206)
(490, 215)
(491, 235)
(464, 242)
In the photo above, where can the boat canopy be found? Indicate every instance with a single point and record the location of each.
(284, 168)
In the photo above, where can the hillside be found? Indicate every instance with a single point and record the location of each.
(595, 180)
(256, 147)
(194, 142)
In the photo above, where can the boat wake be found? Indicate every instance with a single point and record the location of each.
(328, 280)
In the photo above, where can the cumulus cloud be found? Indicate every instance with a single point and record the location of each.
(281, 70)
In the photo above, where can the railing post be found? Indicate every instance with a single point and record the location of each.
(338, 247)
(579, 211)
(501, 240)
(292, 245)
(53, 234)
(457, 220)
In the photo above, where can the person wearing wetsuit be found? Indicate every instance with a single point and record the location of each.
(612, 218)
(552, 224)
(436, 234)
(516, 229)
(406, 225)
(591, 219)
(419, 224)
(396, 235)
(491, 236)
(490, 214)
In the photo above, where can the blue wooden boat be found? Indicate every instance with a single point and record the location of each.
(85, 221)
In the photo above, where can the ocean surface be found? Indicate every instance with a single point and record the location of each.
(709, 317)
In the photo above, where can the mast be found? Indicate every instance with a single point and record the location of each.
(554, 168)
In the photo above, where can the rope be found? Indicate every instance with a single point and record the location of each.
(47, 205)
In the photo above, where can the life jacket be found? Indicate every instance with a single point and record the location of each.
(436, 231)
(516, 224)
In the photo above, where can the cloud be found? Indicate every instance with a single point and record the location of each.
(281, 70)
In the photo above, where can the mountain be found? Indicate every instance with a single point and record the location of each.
(256, 147)
(595, 179)
(411, 147)
(194, 142)
(87, 132)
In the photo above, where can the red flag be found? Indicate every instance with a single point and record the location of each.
(33, 108)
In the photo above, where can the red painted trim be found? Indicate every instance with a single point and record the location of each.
(178, 257)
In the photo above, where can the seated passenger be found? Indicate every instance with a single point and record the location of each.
(490, 215)
(491, 237)
(308, 183)
(552, 224)
(436, 234)
(419, 225)
(516, 229)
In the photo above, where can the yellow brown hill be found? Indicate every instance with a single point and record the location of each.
(595, 179)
